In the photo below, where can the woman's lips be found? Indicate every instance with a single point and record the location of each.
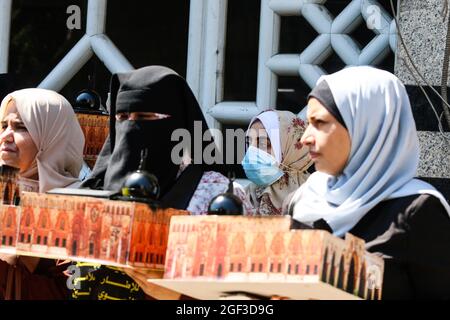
(7, 149)
(314, 155)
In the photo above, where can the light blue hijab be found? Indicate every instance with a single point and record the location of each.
(384, 152)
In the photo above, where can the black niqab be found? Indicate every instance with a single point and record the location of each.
(150, 89)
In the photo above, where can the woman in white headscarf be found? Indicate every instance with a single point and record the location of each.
(276, 161)
(363, 141)
(40, 136)
(44, 123)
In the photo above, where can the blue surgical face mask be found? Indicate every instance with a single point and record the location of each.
(261, 167)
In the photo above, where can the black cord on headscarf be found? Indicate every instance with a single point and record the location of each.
(151, 89)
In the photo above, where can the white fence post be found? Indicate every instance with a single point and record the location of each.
(211, 80)
(195, 45)
(5, 27)
(269, 38)
(334, 35)
(68, 66)
(96, 17)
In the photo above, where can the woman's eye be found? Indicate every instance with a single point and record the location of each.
(264, 143)
(319, 122)
(122, 116)
(147, 116)
(19, 127)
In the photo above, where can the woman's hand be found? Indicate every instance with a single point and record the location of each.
(140, 276)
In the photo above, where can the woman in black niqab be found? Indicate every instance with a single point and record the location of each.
(146, 106)
(158, 90)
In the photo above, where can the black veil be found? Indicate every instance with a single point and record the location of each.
(160, 90)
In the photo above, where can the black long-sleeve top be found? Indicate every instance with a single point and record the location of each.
(412, 234)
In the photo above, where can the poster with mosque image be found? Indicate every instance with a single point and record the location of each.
(115, 233)
(218, 257)
(95, 129)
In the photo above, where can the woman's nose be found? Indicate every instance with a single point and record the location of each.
(7, 135)
(251, 143)
(307, 137)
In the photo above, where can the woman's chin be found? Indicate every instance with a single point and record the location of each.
(319, 167)
(325, 169)
(6, 160)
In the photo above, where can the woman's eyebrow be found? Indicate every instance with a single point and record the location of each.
(15, 122)
(314, 117)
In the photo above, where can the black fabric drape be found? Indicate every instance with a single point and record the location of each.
(7, 84)
(412, 234)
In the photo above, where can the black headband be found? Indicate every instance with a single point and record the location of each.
(322, 92)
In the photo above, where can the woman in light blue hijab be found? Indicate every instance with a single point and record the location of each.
(363, 140)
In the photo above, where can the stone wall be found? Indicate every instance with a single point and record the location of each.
(424, 30)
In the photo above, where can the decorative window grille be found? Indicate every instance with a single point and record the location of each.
(207, 43)
(207, 49)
